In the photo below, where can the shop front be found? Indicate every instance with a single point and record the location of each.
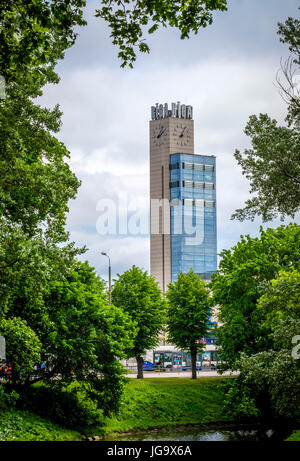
(178, 360)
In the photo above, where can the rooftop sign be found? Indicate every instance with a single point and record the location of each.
(177, 110)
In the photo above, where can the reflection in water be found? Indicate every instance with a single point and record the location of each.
(214, 435)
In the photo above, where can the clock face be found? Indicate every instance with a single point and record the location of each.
(182, 135)
(159, 135)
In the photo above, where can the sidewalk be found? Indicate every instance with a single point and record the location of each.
(182, 374)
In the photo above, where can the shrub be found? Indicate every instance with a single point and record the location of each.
(70, 406)
(238, 402)
(23, 347)
(268, 386)
(7, 399)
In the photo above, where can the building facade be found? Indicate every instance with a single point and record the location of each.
(182, 198)
(183, 222)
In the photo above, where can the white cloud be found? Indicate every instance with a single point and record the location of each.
(107, 110)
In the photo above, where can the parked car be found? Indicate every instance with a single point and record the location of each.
(5, 369)
(148, 365)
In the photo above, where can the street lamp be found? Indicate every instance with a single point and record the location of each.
(109, 275)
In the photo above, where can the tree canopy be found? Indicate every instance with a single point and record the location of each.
(273, 164)
(33, 35)
(188, 314)
(289, 33)
(243, 277)
(281, 300)
(130, 20)
(23, 347)
(78, 335)
(273, 168)
(138, 294)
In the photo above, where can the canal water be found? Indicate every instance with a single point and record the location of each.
(211, 434)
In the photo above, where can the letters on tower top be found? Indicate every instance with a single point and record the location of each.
(177, 110)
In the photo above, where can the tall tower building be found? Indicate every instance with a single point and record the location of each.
(182, 198)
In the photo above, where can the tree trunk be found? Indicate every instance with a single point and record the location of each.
(140, 363)
(194, 358)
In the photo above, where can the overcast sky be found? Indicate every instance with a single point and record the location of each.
(226, 72)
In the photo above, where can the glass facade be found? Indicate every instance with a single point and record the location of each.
(193, 214)
(179, 360)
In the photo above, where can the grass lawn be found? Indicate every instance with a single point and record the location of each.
(166, 402)
(294, 437)
(24, 426)
(146, 404)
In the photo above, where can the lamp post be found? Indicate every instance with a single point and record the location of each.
(109, 275)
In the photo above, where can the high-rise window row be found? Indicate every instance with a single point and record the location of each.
(197, 251)
(191, 166)
(191, 202)
(191, 184)
(198, 184)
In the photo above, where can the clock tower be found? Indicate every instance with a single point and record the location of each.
(171, 132)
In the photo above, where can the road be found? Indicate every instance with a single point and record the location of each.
(181, 374)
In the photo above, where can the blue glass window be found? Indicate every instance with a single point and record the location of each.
(193, 217)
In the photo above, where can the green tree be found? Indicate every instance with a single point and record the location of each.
(23, 347)
(84, 337)
(281, 300)
(138, 294)
(273, 168)
(36, 181)
(188, 314)
(269, 379)
(272, 165)
(128, 21)
(35, 189)
(241, 281)
(289, 33)
(268, 387)
(33, 35)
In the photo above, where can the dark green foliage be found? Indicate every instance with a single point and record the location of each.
(80, 337)
(36, 181)
(86, 335)
(273, 164)
(139, 296)
(268, 386)
(239, 402)
(23, 347)
(281, 300)
(69, 406)
(52, 306)
(36, 33)
(273, 168)
(8, 398)
(57, 302)
(242, 278)
(269, 382)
